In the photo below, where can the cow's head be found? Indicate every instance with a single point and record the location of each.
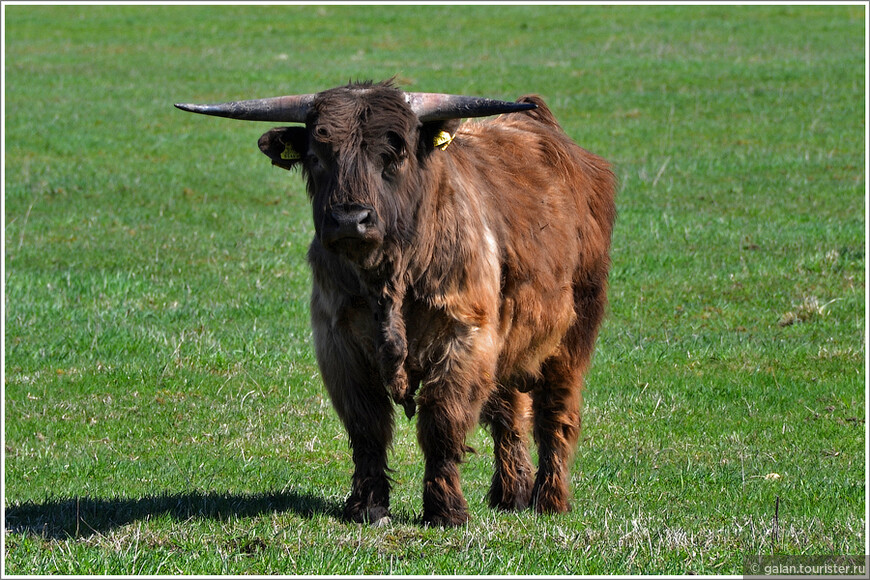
(360, 150)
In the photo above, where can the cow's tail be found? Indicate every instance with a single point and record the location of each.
(542, 113)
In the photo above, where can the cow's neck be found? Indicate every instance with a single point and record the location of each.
(444, 235)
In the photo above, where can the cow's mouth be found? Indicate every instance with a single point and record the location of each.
(365, 251)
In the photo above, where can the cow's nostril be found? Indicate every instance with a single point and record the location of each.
(361, 218)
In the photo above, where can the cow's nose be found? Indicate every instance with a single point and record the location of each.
(352, 217)
(349, 222)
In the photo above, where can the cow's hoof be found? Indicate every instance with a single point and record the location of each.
(366, 515)
(450, 520)
(509, 504)
(515, 498)
(555, 508)
(549, 497)
(556, 503)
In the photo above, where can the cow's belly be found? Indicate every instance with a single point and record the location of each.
(532, 322)
(527, 329)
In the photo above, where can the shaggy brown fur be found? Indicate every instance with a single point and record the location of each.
(471, 289)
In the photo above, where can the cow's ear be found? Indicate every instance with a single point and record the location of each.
(285, 146)
(437, 134)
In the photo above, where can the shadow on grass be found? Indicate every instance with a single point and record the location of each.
(84, 517)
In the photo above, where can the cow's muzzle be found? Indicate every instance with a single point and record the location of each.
(351, 228)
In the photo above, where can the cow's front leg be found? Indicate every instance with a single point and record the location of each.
(364, 407)
(448, 406)
(369, 500)
(367, 415)
(441, 431)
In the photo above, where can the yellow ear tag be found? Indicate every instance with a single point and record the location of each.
(443, 139)
(290, 153)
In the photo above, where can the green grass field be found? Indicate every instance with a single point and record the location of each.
(163, 410)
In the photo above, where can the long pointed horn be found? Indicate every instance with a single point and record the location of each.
(289, 109)
(438, 107)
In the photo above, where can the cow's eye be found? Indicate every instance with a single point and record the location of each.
(391, 167)
(313, 162)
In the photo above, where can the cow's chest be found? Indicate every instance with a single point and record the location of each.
(434, 338)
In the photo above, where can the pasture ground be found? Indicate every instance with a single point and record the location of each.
(163, 412)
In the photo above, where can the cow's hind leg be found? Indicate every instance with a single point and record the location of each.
(505, 413)
(556, 407)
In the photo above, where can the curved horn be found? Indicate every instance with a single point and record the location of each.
(438, 107)
(289, 109)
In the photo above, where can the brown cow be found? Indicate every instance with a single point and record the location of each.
(459, 271)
